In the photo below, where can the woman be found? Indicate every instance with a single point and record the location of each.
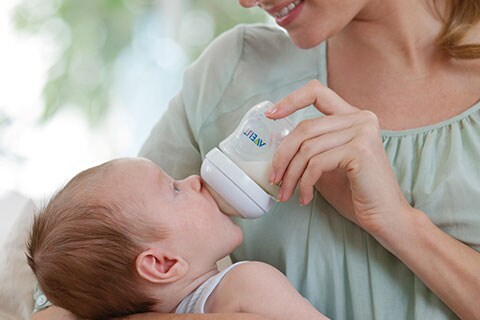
(394, 231)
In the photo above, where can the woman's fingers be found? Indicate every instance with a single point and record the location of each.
(315, 93)
(306, 130)
(319, 164)
(308, 150)
(294, 160)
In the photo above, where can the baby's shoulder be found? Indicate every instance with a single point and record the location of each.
(240, 280)
(251, 269)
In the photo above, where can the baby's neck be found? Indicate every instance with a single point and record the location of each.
(170, 296)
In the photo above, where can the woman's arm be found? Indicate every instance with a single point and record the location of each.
(342, 154)
(53, 313)
(56, 313)
(191, 316)
(448, 267)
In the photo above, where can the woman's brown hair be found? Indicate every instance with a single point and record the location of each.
(461, 16)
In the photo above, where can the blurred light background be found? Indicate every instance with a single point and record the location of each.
(83, 81)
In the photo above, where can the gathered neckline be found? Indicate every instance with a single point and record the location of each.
(404, 132)
(431, 127)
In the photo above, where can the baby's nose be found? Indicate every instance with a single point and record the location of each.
(195, 182)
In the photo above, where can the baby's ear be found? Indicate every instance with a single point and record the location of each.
(159, 266)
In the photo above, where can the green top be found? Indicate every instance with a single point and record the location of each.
(341, 269)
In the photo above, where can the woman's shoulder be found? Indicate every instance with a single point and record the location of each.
(276, 60)
(262, 34)
(257, 57)
(244, 65)
(271, 51)
(255, 48)
(256, 35)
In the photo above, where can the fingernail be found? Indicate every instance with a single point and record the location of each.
(271, 178)
(279, 195)
(302, 201)
(271, 111)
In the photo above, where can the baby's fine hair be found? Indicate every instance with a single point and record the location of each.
(82, 249)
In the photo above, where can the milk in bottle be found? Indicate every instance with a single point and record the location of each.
(239, 168)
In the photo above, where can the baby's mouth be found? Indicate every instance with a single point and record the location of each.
(223, 205)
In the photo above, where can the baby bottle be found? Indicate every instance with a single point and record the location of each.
(237, 171)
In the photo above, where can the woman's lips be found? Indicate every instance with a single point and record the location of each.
(286, 13)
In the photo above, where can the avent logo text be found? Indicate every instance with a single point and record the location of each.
(254, 137)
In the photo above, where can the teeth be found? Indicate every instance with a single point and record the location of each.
(287, 9)
(283, 12)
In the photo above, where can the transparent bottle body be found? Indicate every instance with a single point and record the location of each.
(253, 144)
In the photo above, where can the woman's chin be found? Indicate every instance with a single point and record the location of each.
(303, 41)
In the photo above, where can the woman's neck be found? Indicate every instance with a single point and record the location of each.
(387, 61)
(401, 35)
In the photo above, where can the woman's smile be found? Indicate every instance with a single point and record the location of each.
(284, 13)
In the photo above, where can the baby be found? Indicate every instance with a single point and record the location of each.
(124, 238)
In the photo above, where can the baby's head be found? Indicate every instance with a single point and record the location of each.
(110, 241)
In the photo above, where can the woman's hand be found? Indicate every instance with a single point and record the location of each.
(341, 154)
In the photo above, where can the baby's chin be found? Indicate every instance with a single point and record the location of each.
(223, 205)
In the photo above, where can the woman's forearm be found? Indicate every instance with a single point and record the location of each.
(55, 313)
(191, 316)
(447, 266)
